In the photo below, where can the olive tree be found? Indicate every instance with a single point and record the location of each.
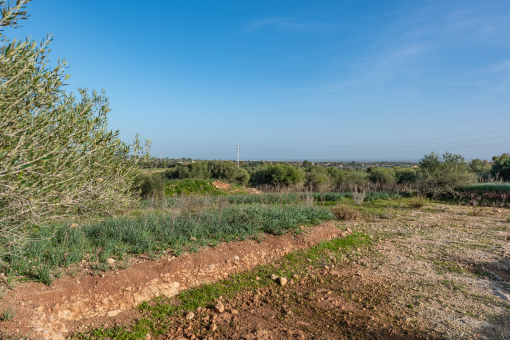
(57, 157)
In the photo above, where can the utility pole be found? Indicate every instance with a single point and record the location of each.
(238, 154)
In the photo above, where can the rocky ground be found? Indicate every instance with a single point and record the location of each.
(439, 272)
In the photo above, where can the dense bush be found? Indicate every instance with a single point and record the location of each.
(381, 175)
(358, 178)
(222, 170)
(278, 174)
(317, 176)
(405, 175)
(337, 176)
(150, 185)
(57, 156)
(443, 176)
(501, 167)
(481, 168)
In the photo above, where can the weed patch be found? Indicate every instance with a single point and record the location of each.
(155, 232)
(417, 202)
(345, 213)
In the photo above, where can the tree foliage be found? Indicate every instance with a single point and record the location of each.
(223, 170)
(501, 167)
(57, 157)
(443, 176)
(278, 174)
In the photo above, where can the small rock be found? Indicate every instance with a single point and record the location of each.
(274, 277)
(213, 327)
(219, 308)
(257, 278)
(234, 311)
(148, 336)
(295, 277)
(190, 316)
(192, 238)
(309, 260)
(236, 258)
(282, 281)
(110, 261)
(497, 277)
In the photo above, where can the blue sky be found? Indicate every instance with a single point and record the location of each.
(317, 80)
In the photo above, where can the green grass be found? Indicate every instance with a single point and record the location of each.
(199, 187)
(488, 187)
(153, 232)
(447, 266)
(265, 198)
(157, 312)
(8, 314)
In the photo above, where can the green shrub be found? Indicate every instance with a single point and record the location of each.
(358, 178)
(481, 168)
(278, 174)
(381, 175)
(405, 175)
(337, 176)
(221, 170)
(445, 176)
(316, 176)
(57, 156)
(501, 167)
(228, 171)
(150, 185)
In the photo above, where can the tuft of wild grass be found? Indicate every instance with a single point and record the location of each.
(417, 201)
(358, 196)
(344, 213)
(192, 227)
(8, 314)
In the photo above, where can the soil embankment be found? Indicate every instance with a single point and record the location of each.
(71, 303)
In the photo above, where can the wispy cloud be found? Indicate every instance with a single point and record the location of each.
(289, 24)
(421, 52)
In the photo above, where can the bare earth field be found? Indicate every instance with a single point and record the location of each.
(439, 272)
(436, 273)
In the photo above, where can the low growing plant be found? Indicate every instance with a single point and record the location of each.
(358, 196)
(345, 213)
(417, 201)
(8, 314)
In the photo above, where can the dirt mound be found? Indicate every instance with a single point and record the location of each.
(221, 185)
(253, 191)
(72, 303)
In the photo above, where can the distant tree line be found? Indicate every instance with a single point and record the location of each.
(435, 175)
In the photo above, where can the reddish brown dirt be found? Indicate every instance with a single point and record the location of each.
(341, 303)
(70, 304)
(221, 185)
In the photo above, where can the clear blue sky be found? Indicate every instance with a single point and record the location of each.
(317, 80)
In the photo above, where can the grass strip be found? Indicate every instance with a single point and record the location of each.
(190, 229)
